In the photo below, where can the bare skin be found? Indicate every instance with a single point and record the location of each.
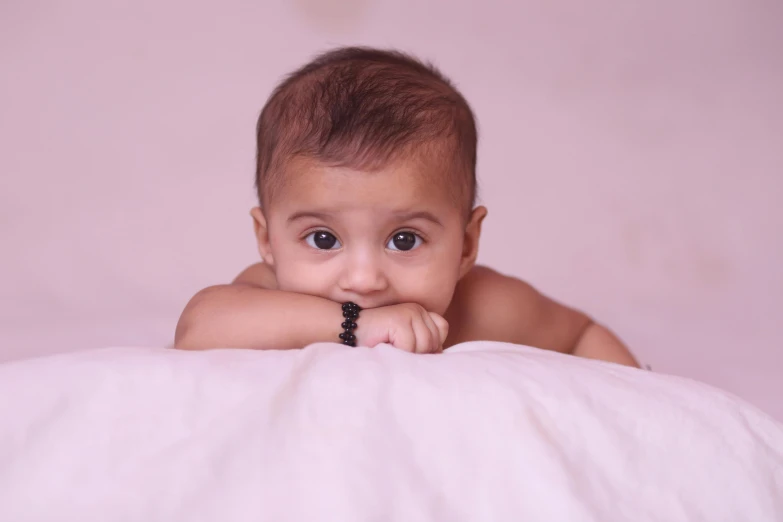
(521, 315)
(394, 242)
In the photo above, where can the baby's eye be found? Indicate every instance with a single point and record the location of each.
(322, 240)
(404, 241)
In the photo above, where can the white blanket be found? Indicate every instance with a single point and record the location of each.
(485, 431)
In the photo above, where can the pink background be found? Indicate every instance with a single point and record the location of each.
(631, 158)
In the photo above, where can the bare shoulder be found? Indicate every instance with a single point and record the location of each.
(489, 296)
(259, 274)
(486, 280)
(488, 305)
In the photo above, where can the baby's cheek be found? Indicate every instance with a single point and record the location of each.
(433, 289)
(301, 278)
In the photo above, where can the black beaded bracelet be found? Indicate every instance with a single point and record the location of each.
(351, 313)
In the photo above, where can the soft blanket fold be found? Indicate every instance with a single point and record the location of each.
(485, 431)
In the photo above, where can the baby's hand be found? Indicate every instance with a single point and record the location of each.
(407, 326)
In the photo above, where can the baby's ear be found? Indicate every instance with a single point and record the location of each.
(471, 242)
(262, 235)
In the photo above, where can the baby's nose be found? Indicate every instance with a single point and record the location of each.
(363, 275)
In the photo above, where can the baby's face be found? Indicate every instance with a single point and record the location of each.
(375, 238)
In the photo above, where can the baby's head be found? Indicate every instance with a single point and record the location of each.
(366, 180)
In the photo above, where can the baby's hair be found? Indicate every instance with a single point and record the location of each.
(365, 108)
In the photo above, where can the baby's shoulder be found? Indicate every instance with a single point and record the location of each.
(491, 306)
(259, 274)
(484, 287)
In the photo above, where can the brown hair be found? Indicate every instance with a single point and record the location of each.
(363, 108)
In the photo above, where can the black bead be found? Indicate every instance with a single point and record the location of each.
(351, 313)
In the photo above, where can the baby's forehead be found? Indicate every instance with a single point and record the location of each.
(397, 190)
(405, 182)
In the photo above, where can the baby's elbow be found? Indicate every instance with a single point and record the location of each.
(187, 335)
(184, 338)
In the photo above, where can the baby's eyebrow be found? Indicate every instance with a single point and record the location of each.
(399, 216)
(408, 216)
(307, 214)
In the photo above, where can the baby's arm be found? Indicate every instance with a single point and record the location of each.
(246, 316)
(598, 342)
(488, 305)
(252, 313)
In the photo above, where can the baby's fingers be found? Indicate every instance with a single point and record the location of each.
(426, 335)
(404, 337)
(442, 325)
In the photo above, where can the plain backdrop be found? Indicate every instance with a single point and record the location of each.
(631, 157)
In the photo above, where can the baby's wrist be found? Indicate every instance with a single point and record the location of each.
(350, 315)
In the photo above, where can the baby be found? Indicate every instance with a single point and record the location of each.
(367, 185)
